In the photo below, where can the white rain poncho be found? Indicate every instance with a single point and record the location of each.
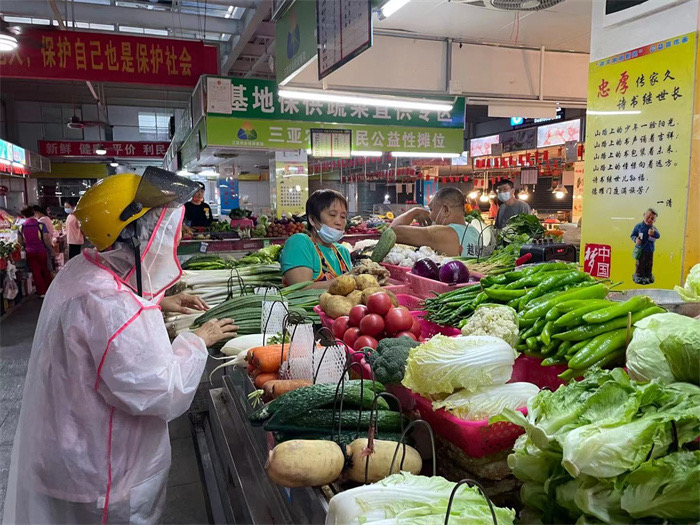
(92, 444)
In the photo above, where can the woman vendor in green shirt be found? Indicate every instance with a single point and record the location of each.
(318, 257)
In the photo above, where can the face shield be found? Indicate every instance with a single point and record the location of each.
(159, 188)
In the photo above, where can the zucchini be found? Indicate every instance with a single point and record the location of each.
(296, 402)
(322, 419)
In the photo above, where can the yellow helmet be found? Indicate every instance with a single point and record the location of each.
(114, 202)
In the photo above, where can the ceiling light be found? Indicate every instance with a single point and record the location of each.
(492, 194)
(114, 164)
(100, 150)
(473, 194)
(595, 112)
(484, 198)
(184, 173)
(523, 195)
(365, 100)
(391, 7)
(208, 172)
(366, 153)
(8, 41)
(425, 154)
(530, 4)
(298, 188)
(560, 191)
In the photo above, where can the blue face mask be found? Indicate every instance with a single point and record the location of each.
(504, 196)
(330, 235)
(68, 210)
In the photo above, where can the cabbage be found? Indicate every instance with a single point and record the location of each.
(412, 500)
(691, 291)
(487, 401)
(665, 347)
(445, 364)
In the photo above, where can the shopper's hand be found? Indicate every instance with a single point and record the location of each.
(215, 330)
(638, 241)
(651, 232)
(183, 303)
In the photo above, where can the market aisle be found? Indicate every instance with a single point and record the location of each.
(16, 335)
(185, 499)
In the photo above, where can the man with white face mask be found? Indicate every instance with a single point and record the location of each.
(442, 226)
(103, 380)
(509, 206)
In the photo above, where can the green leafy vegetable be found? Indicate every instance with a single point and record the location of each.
(413, 500)
(487, 401)
(691, 291)
(389, 359)
(445, 364)
(665, 347)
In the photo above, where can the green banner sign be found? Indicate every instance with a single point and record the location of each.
(295, 39)
(281, 134)
(257, 99)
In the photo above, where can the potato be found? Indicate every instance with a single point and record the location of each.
(380, 460)
(337, 305)
(364, 281)
(305, 463)
(355, 297)
(369, 291)
(342, 285)
(323, 300)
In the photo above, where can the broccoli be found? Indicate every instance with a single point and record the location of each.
(389, 359)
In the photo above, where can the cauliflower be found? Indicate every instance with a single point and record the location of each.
(495, 320)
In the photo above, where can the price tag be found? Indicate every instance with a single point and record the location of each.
(203, 247)
(266, 243)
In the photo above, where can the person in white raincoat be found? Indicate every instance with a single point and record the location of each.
(92, 443)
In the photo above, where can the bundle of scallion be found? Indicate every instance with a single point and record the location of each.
(214, 286)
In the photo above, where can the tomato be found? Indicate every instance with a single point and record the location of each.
(340, 326)
(351, 336)
(371, 324)
(357, 313)
(407, 334)
(365, 341)
(415, 329)
(398, 320)
(378, 303)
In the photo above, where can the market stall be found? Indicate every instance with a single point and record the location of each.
(498, 364)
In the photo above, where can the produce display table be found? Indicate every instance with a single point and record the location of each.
(194, 246)
(238, 454)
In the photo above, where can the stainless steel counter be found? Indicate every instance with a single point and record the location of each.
(233, 458)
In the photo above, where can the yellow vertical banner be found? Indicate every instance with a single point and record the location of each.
(638, 137)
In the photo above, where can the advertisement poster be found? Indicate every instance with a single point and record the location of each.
(559, 133)
(482, 146)
(638, 152)
(291, 184)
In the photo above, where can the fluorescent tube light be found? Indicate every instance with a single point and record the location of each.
(425, 154)
(391, 7)
(595, 112)
(365, 100)
(366, 153)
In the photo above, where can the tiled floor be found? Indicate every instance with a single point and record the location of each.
(185, 503)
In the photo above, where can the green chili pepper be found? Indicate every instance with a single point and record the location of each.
(551, 348)
(567, 306)
(554, 281)
(596, 291)
(546, 334)
(612, 357)
(553, 360)
(521, 348)
(552, 314)
(564, 347)
(501, 294)
(634, 304)
(526, 323)
(575, 317)
(575, 348)
(598, 348)
(593, 330)
(532, 343)
(532, 280)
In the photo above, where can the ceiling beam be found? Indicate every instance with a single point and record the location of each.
(248, 4)
(129, 16)
(250, 22)
(266, 29)
(253, 50)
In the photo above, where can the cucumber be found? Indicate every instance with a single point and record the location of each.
(322, 419)
(296, 402)
(384, 245)
(346, 436)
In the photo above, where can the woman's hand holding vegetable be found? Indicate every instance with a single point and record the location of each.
(215, 330)
(183, 303)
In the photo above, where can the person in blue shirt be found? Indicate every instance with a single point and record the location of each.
(318, 257)
(644, 236)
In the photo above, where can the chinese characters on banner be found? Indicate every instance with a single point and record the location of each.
(257, 99)
(74, 55)
(638, 150)
(64, 148)
(270, 134)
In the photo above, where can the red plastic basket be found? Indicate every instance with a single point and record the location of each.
(423, 287)
(530, 370)
(397, 272)
(476, 438)
(429, 329)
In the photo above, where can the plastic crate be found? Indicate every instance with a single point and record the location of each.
(476, 438)
(429, 329)
(530, 370)
(397, 272)
(423, 287)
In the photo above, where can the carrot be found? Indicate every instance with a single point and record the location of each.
(250, 368)
(261, 379)
(255, 373)
(269, 360)
(274, 389)
(261, 350)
